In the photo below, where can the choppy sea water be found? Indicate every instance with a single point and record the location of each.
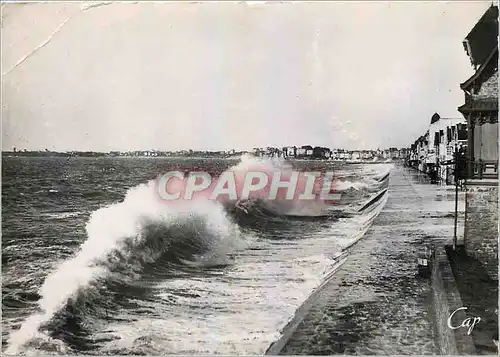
(92, 263)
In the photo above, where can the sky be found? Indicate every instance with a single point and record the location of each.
(218, 76)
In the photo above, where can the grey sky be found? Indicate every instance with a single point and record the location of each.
(227, 75)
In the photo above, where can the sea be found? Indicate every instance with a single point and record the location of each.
(93, 263)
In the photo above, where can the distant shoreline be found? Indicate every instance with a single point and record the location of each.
(6, 154)
(90, 154)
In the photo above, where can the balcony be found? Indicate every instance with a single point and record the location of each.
(483, 169)
(431, 159)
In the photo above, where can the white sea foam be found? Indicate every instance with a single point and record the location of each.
(274, 281)
(63, 215)
(107, 229)
(343, 185)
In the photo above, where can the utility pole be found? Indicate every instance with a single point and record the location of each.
(456, 197)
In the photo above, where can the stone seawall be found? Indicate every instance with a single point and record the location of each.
(481, 224)
(375, 303)
(446, 299)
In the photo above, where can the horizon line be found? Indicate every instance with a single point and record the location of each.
(194, 150)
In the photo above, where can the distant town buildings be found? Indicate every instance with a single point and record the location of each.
(135, 153)
(306, 152)
(323, 153)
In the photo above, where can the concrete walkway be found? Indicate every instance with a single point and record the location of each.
(375, 303)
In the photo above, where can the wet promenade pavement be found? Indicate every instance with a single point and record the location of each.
(375, 303)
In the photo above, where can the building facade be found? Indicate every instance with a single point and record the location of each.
(481, 112)
(434, 152)
(444, 141)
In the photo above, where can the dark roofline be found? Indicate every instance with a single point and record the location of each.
(486, 13)
(435, 118)
(480, 70)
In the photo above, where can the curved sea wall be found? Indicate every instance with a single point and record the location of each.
(369, 210)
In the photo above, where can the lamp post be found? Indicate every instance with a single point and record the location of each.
(456, 197)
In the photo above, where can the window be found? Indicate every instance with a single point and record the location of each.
(422, 262)
(462, 131)
(436, 138)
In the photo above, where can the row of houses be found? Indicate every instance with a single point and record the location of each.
(318, 152)
(368, 155)
(434, 152)
(306, 151)
(474, 136)
(474, 139)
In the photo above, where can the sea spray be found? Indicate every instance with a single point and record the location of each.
(282, 189)
(346, 185)
(125, 224)
(109, 229)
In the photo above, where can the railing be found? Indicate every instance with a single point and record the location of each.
(484, 169)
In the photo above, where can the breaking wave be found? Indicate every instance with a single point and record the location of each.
(122, 240)
(139, 236)
(260, 203)
(132, 242)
